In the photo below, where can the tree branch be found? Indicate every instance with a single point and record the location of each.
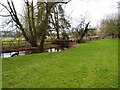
(5, 15)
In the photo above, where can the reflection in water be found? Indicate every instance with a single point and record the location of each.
(53, 50)
(6, 55)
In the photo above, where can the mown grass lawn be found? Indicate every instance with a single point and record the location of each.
(90, 65)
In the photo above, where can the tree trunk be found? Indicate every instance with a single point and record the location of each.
(42, 43)
(33, 43)
(84, 32)
(45, 27)
(58, 37)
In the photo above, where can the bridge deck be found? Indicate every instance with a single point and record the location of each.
(16, 49)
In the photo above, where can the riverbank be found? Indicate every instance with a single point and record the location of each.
(90, 65)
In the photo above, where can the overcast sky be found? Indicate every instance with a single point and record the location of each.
(93, 10)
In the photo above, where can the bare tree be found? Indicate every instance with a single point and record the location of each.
(58, 20)
(82, 29)
(28, 34)
(29, 29)
(109, 26)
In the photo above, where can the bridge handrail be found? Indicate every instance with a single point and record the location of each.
(11, 44)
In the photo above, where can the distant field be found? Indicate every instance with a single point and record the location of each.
(11, 39)
(90, 65)
(13, 42)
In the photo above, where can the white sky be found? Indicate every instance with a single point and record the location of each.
(94, 10)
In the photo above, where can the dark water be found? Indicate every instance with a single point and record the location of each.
(6, 55)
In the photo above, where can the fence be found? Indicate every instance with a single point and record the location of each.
(13, 44)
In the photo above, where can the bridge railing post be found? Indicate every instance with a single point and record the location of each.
(9, 44)
(18, 43)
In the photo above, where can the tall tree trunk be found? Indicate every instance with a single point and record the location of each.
(42, 42)
(33, 42)
(45, 27)
(57, 30)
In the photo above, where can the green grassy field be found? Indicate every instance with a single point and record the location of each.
(90, 65)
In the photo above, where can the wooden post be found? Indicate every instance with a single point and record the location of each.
(25, 43)
(9, 44)
(3, 55)
(1, 44)
(18, 43)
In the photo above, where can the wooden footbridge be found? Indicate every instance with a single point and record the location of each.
(15, 46)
